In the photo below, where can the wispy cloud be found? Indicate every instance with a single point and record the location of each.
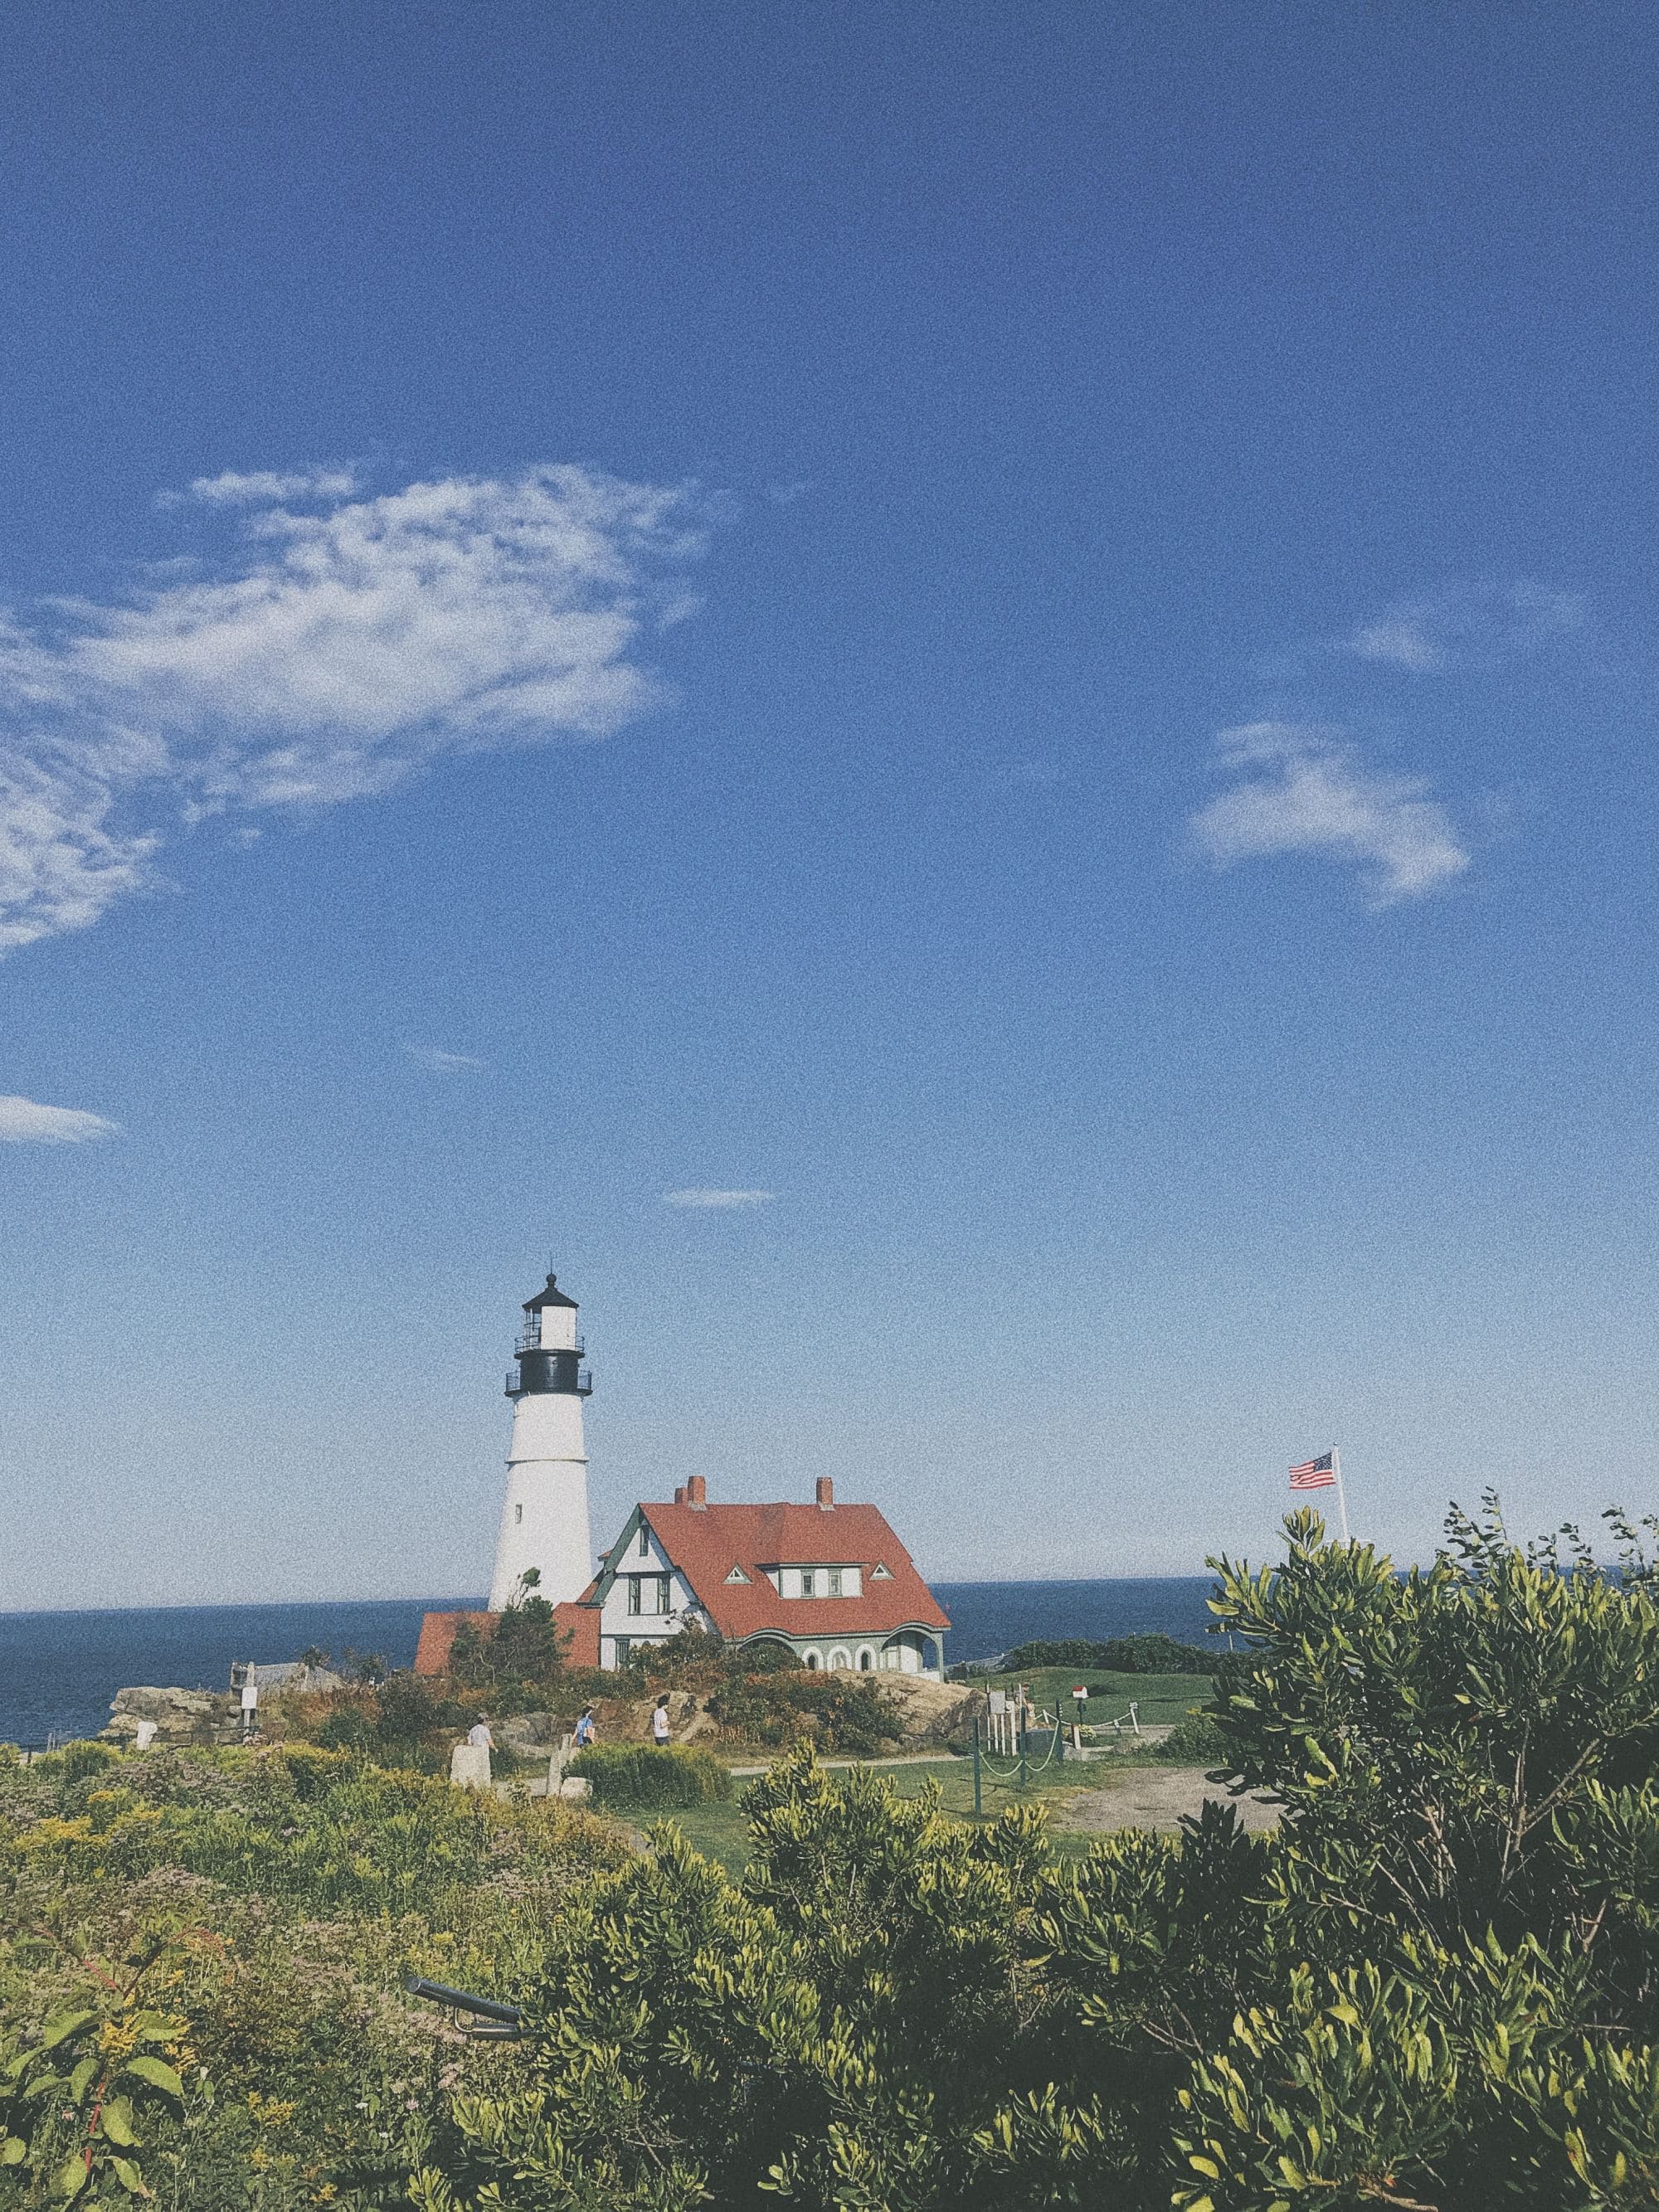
(261, 487)
(444, 1063)
(25, 1122)
(718, 1200)
(1468, 625)
(1303, 788)
(335, 654)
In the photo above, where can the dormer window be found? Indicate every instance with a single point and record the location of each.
(879, 1573)
(645, 1541)
(821, 1581)
(736, 1575)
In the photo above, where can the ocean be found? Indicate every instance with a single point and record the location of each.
(59, 1670)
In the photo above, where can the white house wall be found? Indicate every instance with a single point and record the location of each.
(616, 1619)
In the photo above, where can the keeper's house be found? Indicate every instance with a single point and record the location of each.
(831, 1581)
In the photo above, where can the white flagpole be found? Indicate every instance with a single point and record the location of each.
(1341, 1494)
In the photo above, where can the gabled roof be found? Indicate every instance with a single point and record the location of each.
(552, 1296)
(705, 1542)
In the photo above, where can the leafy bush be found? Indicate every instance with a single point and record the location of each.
(1196, 1741)
(840, 1712)
(219, 1938)
(404, 1718)
(523, 1643)
(1117, 1655)
(1435, 1985)
(639, 1774)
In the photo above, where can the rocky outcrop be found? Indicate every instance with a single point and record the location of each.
(525, 1735)
(180, 1715)
(931, 1712)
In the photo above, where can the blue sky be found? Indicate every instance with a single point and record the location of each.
(1020, 638)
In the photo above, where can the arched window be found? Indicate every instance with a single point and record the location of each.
(866, 1660)
(811, 1659)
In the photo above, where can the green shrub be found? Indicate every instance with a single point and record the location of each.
(88, 1757)
(1117, 1655)
(1196, 1741)
(638, 1775)
(523, 1643)
(1436, 1985)
(840, 1712)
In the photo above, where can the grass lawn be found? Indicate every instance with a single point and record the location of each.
(720, 1833)
(1161, 1697)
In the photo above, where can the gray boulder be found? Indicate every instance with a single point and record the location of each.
(179, 1714)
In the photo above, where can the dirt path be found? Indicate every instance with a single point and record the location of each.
(1157, 1797)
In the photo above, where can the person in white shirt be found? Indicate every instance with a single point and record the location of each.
(660, 1724)
(478, 1734)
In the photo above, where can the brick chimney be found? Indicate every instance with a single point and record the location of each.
(826, 1494)
(679, 1495)
(697, 1493)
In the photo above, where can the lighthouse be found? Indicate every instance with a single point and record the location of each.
(544, 1515)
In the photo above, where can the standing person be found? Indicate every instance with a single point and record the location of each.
(659, 1723)
(478, 1734)
(584, 1734)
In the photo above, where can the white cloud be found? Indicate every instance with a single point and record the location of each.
(60, 863)
(261, 486)
(22, 1122)
(443, 1063)
(333, 656)
(718, 1200)
(1304, 789)
(1470, 624)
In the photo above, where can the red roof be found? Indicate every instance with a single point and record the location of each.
(579, 1622)
(705, 1542)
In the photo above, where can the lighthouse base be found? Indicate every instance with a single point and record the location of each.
(544, 1527)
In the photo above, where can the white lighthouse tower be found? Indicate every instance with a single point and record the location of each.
(544, 1517)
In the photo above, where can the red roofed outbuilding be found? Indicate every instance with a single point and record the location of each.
(581, 1623)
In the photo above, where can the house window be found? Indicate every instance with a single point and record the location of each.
(661, 1591)
(835, 1581)
(645, 1541)
(808, 1583)
(635, 1596)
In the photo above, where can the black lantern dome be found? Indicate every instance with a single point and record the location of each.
(549, 1350)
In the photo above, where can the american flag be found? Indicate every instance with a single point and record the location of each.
(1315, 1474)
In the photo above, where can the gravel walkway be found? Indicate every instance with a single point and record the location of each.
(1158, 1797)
